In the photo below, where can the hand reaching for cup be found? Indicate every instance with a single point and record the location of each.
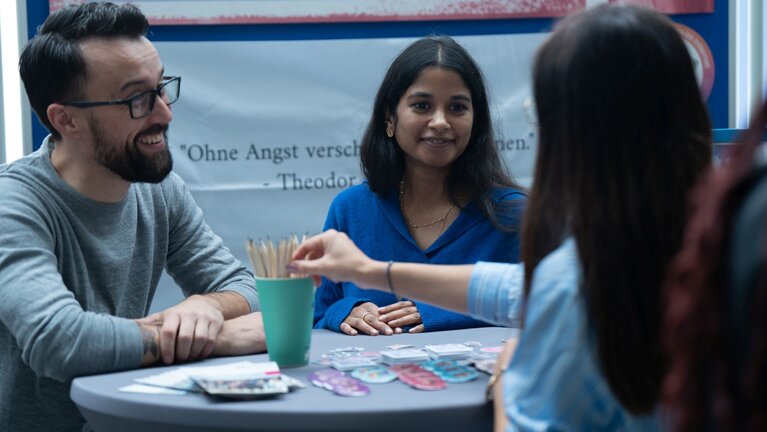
(401, 314)
(364, 318)
(335, 256)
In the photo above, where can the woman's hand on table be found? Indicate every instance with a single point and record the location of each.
(364, 318)
(402, 314)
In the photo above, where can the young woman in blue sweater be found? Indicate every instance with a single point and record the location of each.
(436, 190)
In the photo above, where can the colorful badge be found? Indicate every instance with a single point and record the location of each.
(451, 371)
(419, 378)
(374, 375)
(338, 383)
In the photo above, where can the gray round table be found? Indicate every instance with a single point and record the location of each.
(391, 406)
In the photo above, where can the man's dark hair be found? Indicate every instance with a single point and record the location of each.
(52, 66)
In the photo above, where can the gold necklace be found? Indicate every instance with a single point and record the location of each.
(443, 219)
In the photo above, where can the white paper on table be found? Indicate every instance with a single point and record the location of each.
(238, 370)
(174, 379)
(147, 389)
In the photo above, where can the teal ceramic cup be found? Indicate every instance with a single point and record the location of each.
(287, 305)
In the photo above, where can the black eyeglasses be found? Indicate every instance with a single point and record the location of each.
(142, 104)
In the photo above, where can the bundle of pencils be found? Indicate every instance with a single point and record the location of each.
(269, 260)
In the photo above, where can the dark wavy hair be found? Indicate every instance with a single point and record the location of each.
(52, 66)
(478, 170)
(624, 134)
(716, 325)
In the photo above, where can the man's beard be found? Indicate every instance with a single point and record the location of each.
(130, 164)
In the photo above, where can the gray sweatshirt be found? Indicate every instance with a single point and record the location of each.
(75, 272)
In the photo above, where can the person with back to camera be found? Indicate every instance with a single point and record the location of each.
(716, 299)
(624, 134)
(90, 220)
(436, 190)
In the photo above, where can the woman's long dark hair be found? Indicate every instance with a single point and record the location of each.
(624, 134)
(478, 170)
(717, 378)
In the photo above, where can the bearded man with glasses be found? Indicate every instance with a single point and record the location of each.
(89, 222)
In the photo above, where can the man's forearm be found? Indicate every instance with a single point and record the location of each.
(229, 303)
(150, 341)
(240, 336)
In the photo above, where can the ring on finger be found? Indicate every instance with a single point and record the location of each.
(364, 315)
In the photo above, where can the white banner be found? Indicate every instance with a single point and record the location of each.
(266, 133)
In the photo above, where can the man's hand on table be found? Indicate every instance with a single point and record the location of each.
(188, 331)
(238, 336)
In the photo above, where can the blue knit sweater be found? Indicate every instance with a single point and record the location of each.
(377, 227)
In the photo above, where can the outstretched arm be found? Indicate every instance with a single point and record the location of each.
(336, 257)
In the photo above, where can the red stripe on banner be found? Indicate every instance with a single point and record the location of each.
(674, 6)
(340, 18)
(349, 11)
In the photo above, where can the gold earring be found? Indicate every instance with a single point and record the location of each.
(390, 131)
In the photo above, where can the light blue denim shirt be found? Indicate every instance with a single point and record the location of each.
(553, 382)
